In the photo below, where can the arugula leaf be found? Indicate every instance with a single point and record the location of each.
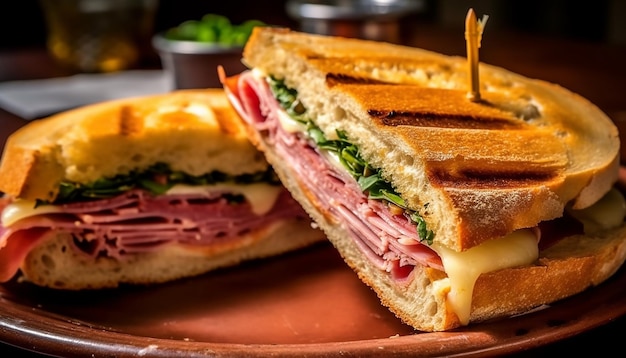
(154, 187)
(369, 179)
(288, 99)
(422, 230)
(156, 179)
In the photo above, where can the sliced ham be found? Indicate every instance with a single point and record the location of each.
(15, 250)
(390, 241)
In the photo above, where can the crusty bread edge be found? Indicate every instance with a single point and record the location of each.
(573, 265)
(35, 158)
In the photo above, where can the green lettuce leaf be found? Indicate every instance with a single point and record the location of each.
(156, 179)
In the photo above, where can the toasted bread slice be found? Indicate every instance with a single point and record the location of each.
(519, 157)
(115, 137)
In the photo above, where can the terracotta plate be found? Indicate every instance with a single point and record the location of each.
(303, 303)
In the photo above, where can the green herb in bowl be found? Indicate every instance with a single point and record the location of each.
(213, 28)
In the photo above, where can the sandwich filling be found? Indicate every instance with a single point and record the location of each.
(347, 190)
(144, 212)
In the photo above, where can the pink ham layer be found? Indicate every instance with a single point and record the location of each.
(138, 222)
(390, 241)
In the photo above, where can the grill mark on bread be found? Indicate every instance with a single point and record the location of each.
(441, 120)
(393, 105)
(129, 123)
(488, 178)
(333, 79)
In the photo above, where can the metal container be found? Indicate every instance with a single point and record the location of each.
(193, 64)
(368, 19)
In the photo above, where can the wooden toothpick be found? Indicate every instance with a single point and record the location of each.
(473, 35)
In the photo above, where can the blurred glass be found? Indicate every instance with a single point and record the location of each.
(98, 35)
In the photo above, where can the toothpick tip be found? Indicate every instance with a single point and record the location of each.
(470, 20)
(470, 14)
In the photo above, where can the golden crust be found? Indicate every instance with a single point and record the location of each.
(19, 169)
(196, 131)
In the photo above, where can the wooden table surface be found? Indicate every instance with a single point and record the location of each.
(596, 71)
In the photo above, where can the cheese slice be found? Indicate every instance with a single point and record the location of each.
(463, 268)
(261, 197)
(21, 209)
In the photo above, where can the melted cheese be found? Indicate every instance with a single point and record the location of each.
(21, 209)
(607, 213)
(261, 197)
(463, 268)
(517, 249)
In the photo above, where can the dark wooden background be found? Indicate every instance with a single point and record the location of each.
(22, 25)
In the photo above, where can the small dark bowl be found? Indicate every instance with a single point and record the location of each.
(194, 64)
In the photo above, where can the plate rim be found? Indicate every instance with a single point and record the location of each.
(37, 330)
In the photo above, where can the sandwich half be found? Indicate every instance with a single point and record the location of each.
(140, 191)
(452, 211)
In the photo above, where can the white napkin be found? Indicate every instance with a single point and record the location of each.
(32, 99)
